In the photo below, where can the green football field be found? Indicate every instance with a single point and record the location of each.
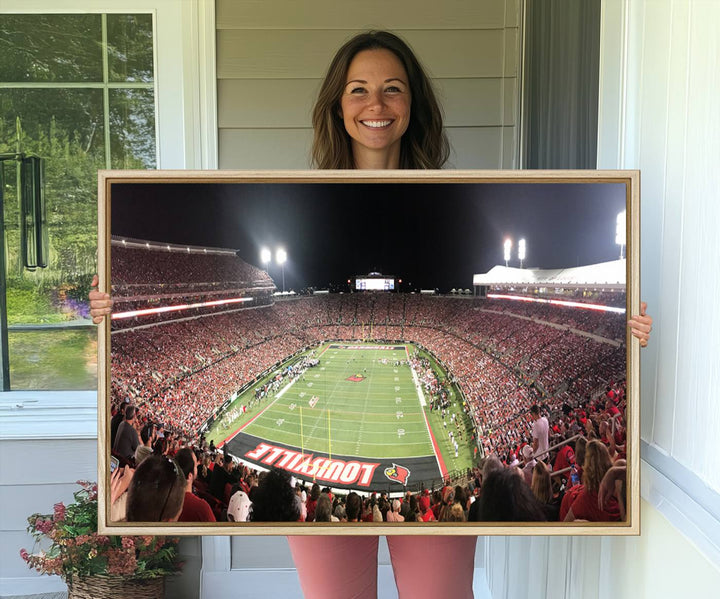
(379, 415)
(350, 404)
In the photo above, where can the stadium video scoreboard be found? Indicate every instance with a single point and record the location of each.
(374, 284)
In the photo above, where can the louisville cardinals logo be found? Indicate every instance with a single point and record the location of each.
(398, 474)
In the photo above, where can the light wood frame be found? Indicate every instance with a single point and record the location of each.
(629, 178)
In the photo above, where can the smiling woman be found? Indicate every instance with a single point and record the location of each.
(375, 108)
(363, 108)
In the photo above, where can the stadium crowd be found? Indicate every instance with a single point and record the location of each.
(140, 268)
(504, 355)
(201, 362)
(580, 478)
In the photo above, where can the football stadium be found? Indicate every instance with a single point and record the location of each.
(367, 384)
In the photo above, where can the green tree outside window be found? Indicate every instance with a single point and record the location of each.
(78, 91)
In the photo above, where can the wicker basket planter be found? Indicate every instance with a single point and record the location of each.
(68, 545)
(116, 587)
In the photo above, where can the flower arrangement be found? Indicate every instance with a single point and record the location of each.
(77, 551)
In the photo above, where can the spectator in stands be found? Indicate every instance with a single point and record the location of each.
(127, 439)
(339, 511)
(405, 505)
(147, 438)
(160, 443)
(436, 503)
(353, 507)
(273, 500)
(448, 498)
(580, 446)
(204, 471)
(141, 453)
(413, 513)
(375, 508)
(384, 506)
(117, 418)
(455, 514)
(425, 513)
(506, 498)
(394, 514)
(323, 510)
(239, 506)
(585, 505)
(528, 463)
(612, 487)
(311, 503)
(490, 464)
(194, 509)
(565, 457)
(301, 500)
(462, 496)
(221, 476)
(540, 430)
(156, 492)
(543, 490)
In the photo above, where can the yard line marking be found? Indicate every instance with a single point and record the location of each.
(254, 418)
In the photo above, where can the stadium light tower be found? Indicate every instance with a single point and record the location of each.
(508, 249)
(265, 257)
(281, 258)
(620, 232)
(521, 251)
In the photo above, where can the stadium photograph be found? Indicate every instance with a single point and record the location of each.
(390, 341)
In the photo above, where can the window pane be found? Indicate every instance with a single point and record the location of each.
(54, 359)
(65, 127)
(37, 48)
(50, 118)
(132, 128)
(130, 47)
(52, 343)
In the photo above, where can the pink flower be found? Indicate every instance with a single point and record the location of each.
(43, 526)
(59, 512)
(93, 492)
(121, 562)
(128, 542)
(53, 565)
(24, 555)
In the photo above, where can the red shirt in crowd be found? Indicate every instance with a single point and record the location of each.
(196, 509)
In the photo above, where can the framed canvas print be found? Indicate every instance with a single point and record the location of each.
(426, 352)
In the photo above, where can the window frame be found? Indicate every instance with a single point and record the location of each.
(181, 29)
(186, 138)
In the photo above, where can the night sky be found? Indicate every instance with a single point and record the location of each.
(431, 235)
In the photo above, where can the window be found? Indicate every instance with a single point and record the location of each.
(77, 90)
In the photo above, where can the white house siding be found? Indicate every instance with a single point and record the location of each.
(658, 112)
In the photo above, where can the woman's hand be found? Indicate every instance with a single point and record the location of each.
(100, 303)
(641, 325)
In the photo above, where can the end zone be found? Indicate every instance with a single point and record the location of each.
(339, 471)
